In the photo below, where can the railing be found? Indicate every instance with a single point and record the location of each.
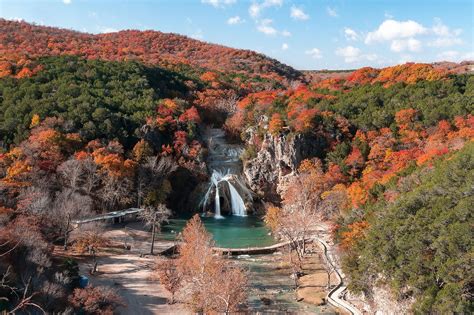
(108, 215)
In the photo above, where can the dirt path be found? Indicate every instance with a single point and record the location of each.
(336, 295)
(129, 273)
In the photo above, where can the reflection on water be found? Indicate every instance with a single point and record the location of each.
(232, 231)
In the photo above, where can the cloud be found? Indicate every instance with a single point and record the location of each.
(298, 14)
(450, 55)
(350, 34)
(108, 30)
(331, 12)
(235, 20)
(453, 55)
(16, 19)
(314, 53)
(446, 42)
(349, 53)
(197, 34)
(67, 1)
(284, 46)
(265, 27)
(445, 36)
(411, 44)
(391, 30)
(352, 54)
(256, 8)
(219, 3)
(442, 30)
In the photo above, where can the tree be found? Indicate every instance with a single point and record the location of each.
(169, 277)
(154, 217)
(151, 176)
(96, 300)
(69, 206)
(89, 237)
(211, 283)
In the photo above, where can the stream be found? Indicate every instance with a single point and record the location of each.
(227, 214)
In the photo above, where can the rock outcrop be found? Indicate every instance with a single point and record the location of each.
(279, 157)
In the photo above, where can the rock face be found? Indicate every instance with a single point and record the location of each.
(278, 157)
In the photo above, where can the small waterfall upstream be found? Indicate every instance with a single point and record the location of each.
(226, 184)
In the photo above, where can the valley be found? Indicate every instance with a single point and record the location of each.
(251, 186)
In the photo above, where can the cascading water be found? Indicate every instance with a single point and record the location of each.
(225, 167)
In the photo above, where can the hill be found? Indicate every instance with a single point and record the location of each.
(21, 39)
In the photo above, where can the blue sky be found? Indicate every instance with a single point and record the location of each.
(306, 34)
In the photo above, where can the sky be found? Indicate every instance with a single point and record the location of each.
(306, 34)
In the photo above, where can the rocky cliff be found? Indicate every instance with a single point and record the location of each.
(278, 157)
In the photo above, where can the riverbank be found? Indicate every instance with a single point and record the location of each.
(128, 271)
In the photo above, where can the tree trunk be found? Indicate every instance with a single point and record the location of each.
(66, 232)
(152, 238)
(329, 280)
(94, 268)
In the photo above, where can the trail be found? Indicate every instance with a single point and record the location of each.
(334, 296)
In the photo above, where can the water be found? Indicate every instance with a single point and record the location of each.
(232, 232)
(224, 164)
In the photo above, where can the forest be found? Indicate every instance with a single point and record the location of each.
(90, 124)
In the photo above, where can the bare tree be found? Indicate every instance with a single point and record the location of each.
(211, 283)
(91, 175)
(165, 271)
(89, 238)
(230, 288)
(71, 173)
(151, 175)
(115, 192)
(34, 201)
(154, 217)
(227, 105)
(67, 207)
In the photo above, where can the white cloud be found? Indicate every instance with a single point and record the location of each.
(265, 27)
(331, 12)
(256, 8)
(314, 53)
(16, 19)
(284, 46)
(445, 36)
(410, 44)
(391, 29)
(456, 56)
(349, 53)
(350, 34)
(352, 54)
(446, 42)
(298, 14)
(235, 20)
(67, 1)
(468, 56)
(198, 34)
(450, 55)
(218, 3)
(442, 30)
(108, 30)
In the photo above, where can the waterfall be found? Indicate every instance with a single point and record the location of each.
(217, 201)
(225, 167)
(238, 205)
(237, 202)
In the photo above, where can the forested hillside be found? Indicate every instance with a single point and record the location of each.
(151, 47)
(95, 123)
